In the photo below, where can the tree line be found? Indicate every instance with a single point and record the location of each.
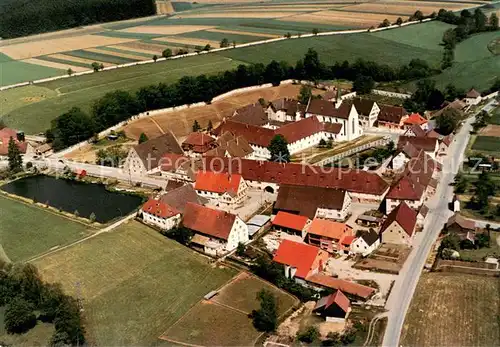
(466, 24)
(28, 299)
(418, 15)
(25, 17)
(76, 125)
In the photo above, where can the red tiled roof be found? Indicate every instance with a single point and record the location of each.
(289, 106)
(217, 182)
(290, 221)
(208, 221)
(358, 181)
(297, 255)
(363, 106)
(172, 161)
(328, 228)
(343, 285)
(4, 146)
(159, 209)
(405, 216)
(347, 240)
(340, 299)
(300, 130)
(415, 119)
(405, 189)
(7, 133)
(253, 134)
(253, 114)
(333, 128)
(416, 130)
(433, 133)
(391, 114)
(428, 144)
(198, 139)
(447, 140)
(327, 108)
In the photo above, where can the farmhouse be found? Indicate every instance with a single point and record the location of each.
(328, 235)
(285, 110)
(291, 224)
(267, 175)
(428, 144)
(344, 114)
(403, 156)
(179, 197)
(145, 157)
(158, 213)
(222, 188)
(6, 134)
(391, 117)
(334, 307)
(366, 243)
(416, 119)
(399, 226)
(368, 111)
(300, 260)
(198, 143)
(253, 114)
(415, 185)
(216, 231)
(472, 97)
(464, 228)
(323, 202)
(228, 145)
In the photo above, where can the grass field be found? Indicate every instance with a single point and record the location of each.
(476, 47)
(487, 143)
(134, 282)
(481, 253)
(39, 231)
(495, 118)
(223, 320)
(37, 336)
(13, 72)
(453, 310)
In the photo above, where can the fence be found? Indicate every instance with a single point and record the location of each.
(354, 150)
(151, 61)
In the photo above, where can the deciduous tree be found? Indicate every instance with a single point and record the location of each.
(167, 53)
(143, 138)
(265, 318)
(363, 84)
(224, 43)
(19, 316)
(14, 157)
(279, 149)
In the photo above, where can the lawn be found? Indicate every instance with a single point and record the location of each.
(82, 91)
(15, 98)
(453, 310)
(426, 36)
(481, 253)
(28, 230)
(487, 143)
(475, 47)
(337, 48)
(134, 282)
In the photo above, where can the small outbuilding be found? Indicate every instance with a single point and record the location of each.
(334, 307)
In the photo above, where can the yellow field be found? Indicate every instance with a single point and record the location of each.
(343, 18)
(148, 47)
(235, 14)
(139, 50)
(406, 7)
(243, 33)
(54, 64)
(45, 47)
(166, 29)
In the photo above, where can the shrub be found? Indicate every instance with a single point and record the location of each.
(19, 316)
(310, 335)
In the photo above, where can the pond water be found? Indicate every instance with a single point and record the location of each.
(68, 195)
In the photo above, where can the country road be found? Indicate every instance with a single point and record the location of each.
(404, 287)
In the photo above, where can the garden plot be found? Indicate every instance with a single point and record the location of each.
(45, 47)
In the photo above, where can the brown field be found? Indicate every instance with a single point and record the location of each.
(166, 29)
(236, 14)
(54, 64)
(243, 33)
(180, 122)
(341, 17)
(139, 50)
(45, 47)
(453, 310)
(78, 59)
(406, 7)
(188, 41)
(491, 130)
(164, 7)
(118, 54)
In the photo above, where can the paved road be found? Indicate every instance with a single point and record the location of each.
(404, 287)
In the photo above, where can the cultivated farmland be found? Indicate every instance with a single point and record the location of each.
(487, 143)
(453, 310)
(134, 282)
(40, 230)
(194, 26)
(223, 320)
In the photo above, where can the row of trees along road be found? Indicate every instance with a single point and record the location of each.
(75, 125)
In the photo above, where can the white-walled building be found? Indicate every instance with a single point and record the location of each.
(472, 97)
(366, 243)
(222, 188)
(400, 225)
(146, 157)
(368, 111)
(160, 214)
(216, 232)
(285, 110)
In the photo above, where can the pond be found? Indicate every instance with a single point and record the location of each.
(71, 196)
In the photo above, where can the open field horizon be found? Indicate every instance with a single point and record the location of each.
(191, 28)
